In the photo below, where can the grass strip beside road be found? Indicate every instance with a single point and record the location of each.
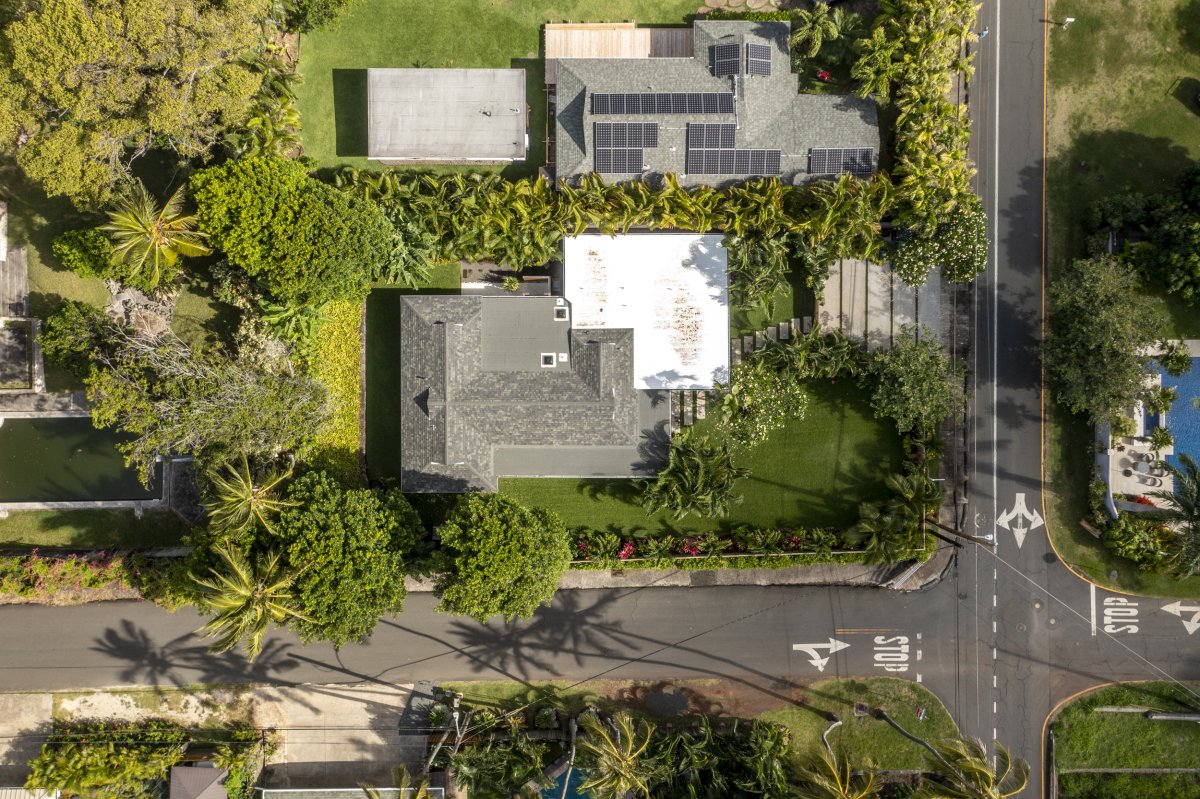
(92, 529)
(1086, 738)
(803, 710)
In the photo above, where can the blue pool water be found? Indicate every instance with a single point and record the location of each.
(555, 791)
(1183, 420)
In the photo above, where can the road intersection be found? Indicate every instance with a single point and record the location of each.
(1007, 635)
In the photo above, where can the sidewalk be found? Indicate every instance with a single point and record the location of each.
(902, 576)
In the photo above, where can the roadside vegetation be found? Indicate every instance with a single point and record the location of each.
(1095, 731)
(1121, 177)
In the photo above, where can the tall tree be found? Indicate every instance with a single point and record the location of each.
(617, 755)
(1101, 323)
(241, 500)
(148, 239)
(972, 775)
(499, 558)
(915, 383)
(304, 241)
(814, 27)
(91, 85)
(832, 777)
(246, 598)
(351, 545)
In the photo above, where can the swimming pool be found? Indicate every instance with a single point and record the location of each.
(576, 779)
(1183, 420)
(64, 459)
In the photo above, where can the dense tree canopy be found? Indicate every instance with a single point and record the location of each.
(107, 761)
(347, 550)
(957, 246)
(74, 333)
(87, 86)
(500, 558)
(915, 383)
(304, 241)
(1099, 322)
(177, 401)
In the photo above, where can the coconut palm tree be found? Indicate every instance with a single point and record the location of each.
(246, 599)
(617, 752)
(700, 478)
(1160, 439)
(971, 774)
(402, 781)
(832, 777)
(1183, 511)
(150, 239)
(884, 531)
(813, 29)
(240, 502)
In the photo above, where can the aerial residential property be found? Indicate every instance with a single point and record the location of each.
(599, 399)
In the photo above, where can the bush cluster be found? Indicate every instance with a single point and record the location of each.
(39, 578)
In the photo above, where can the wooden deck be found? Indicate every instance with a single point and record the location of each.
(611, 40)
(14, 284)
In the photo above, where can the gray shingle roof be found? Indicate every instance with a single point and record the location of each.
(462, 425)
(769, 112)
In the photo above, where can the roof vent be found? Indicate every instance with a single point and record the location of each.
(548, 360)
(561, 313)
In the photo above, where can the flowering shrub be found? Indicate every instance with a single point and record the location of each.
(626, 551)
(1143, 500)
(604, 547)
(759, 400)
(958, 245)
(38, 578)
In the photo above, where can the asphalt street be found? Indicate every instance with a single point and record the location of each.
(1002, 639)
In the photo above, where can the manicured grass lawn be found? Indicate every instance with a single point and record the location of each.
(1088, 739)
(812, 473)
(1122, 116)
(447, 33)
(795, 302)
(865, 738)
(91, 529)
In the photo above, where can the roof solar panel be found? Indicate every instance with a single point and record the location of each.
(726, 59)
(838, 160)
(662, 103)
(617, 146)
(758, 59)
(711, 151)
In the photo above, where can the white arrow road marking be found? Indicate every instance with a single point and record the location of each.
(1020, 520)
(834, 645)
(1179, 609)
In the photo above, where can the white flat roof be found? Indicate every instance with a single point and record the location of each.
(446, 114)
(672, 289)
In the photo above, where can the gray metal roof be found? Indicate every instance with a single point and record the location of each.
(446, 114)
(197, 782)
(466, 420)
(769, 111)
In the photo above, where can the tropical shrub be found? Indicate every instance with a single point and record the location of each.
(304, 16)
(958, 246)
(88, 252)
(758, 400)
(74, 335)
(65, 578)
(758, 270)
(348, 549)
(104, 760)
(304, 241)
(1147, 542)
(499, 558)
(149, 240)
(1174, 357)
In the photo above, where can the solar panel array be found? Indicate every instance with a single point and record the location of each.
(663, 103)
(617, 146)
(710, 151)
(726, 59)
(758, 59)
(838, 160)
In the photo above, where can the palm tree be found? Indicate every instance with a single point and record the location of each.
(617, 751)
(972, 776)
(813, 29)
(240, 502)
(884, 531)
(833, 778)
(916, 495)
(246, 599)
(1183, 511)
(700, 478)
(403, 781)
(150, 239)
(1160, 439)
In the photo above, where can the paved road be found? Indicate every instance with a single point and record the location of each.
(1004, 638)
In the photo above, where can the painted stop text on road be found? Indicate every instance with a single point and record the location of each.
(1120, 615)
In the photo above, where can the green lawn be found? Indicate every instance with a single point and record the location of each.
(1122, 116)
(448, 33)
(795, 302)
(805, 713)
(812, 473)
(1088, 739)
(86, 529)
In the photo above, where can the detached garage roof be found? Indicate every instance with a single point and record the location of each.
(446, 115)
(671, 289)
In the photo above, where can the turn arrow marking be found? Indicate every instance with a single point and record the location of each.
(1179, 609)
(834, 645)
(1020, 520)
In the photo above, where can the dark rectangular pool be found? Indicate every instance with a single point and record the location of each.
(64, 459)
